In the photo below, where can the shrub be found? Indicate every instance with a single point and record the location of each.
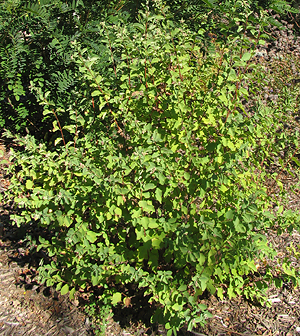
(163, 181)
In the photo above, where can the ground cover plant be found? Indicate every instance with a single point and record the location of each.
(157, 176)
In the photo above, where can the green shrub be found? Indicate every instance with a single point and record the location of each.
(163, 183)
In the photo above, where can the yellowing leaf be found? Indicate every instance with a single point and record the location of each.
(174, 148)
(29, 184)
(177, 307)
(118, 212)
(156, 243)
(223, 188)
(186, 176)
(116, 298)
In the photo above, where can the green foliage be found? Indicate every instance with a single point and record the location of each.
(35, 58)
(223, 18)
(160, 176)
(99, 313)
(35, 49)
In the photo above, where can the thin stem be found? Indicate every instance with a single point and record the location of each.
(76, 130)
(294, 19)
(112, 55)
(127, 61)
(181, 78)
(61, 131)
(145, 57)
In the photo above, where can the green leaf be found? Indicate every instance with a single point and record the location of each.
(91, 236)
(296, 161)
(46, 112)
(182, 288)
(153, 223)
(71, 294)
(201, 259)
(65, 289)
(147, 206)
(116, 298)
(223, 98)
(210, 3)
(169, 332)
(187, 175)
(168, 326)
(144, 221)
(58, 286)
(220, 293)
(161, 178)
(55, 126)
(139, 233)
(203, 282)
(57, 141)
(29, 184)
(229, 214)
(149, 186)
(95, 280)
(96, 93)
(158, 195)
(239, 226)
(246, 57)
(230, 292)
(70, 128)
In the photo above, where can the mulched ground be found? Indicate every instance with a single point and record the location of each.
(27, 308)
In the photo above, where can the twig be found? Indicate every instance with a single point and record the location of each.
(294, 20)
(61, 132)
(198, 334)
